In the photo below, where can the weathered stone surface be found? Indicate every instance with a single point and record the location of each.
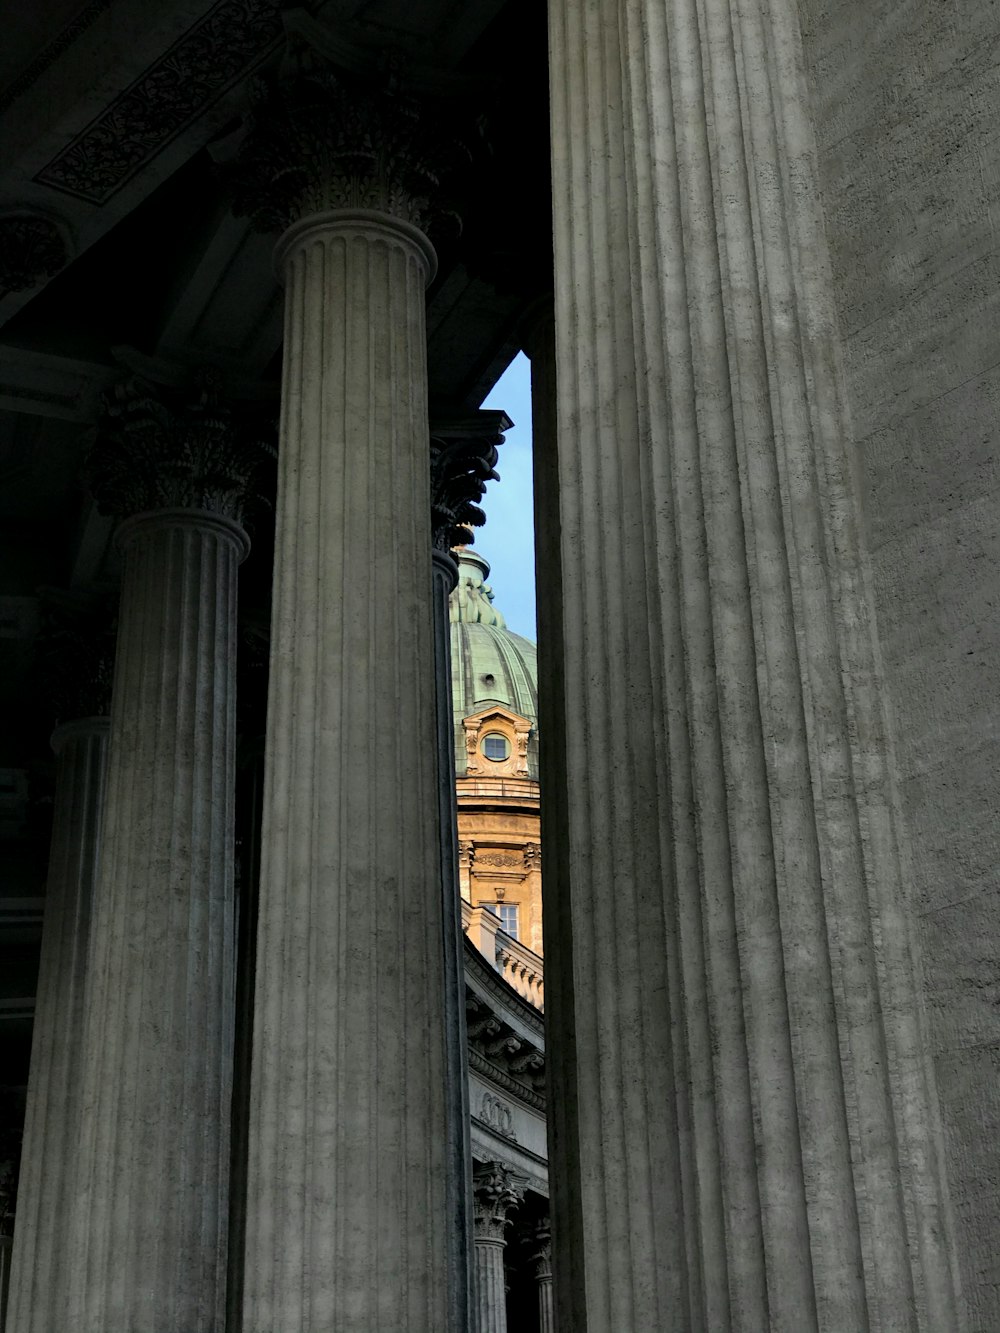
(40, 1276)
(461, 1273)
(146, 1236)
(747, 1136)
(906, 108)
(497, 1192)
(347, 1222)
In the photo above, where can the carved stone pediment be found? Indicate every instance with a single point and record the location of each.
(501, 721)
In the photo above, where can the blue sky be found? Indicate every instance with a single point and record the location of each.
(508, 539)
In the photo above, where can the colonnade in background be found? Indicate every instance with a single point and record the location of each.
(742, 1129)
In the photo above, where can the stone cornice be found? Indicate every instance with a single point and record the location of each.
(496, 1075)
(501, 995)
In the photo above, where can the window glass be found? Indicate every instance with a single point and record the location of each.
(496, 746)
(507, 913)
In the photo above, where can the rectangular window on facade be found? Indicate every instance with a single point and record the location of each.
(507, 913)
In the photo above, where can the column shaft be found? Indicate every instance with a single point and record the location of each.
(491, 1289)
(38, 1289)
(743, 1079)
(457, 1122)
(347, 1198)
(546, 1306)
(147, 1242)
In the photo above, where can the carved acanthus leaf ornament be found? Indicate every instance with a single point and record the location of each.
(460, 469)
(322, 139)
(497, 1192)
(159, 449)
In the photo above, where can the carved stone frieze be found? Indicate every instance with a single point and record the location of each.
(323, 139)
(193, 73)
(497, 1193)
(32, 248)
(496, 1113)
(183, 449)
(499, 859)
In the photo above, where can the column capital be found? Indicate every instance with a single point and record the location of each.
(322, 139)
(497, 1191)
(163, 448)
(541, 1252)
(463, 459)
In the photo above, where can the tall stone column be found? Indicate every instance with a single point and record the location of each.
(146, 1239)
(348, 1196)
(76, 656)
(747, 1133)
(497, 1193)
(543, 1276)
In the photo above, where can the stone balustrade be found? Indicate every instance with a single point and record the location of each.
(519, 966)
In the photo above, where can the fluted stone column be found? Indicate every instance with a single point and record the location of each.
(497, 1193)
(76, 665)
(146, 1240)
(746, 1134)
(543, 1276)
(348, 1196)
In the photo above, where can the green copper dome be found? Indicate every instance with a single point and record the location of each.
(489, 664)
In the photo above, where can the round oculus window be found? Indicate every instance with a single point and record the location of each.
(496, 746)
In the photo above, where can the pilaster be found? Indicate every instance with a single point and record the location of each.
(747, 1136)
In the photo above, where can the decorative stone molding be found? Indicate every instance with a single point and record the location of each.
(75, 654)
(463, 459)
(542, 1249)
(507, 1059)
(460, 469)
(495, 1112)
(165, 449)
(193, 73)
(32, 248)
(321, 140)
(516, 729)
(499, 859)
(497, 1193)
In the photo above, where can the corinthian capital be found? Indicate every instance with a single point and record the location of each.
(463, 460)
(321, 139)
(497, 1192)
(162, 448)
